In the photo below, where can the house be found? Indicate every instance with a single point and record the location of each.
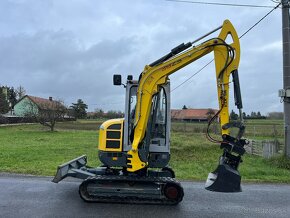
(198, 115)
(31, 105)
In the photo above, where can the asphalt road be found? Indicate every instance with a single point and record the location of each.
(22, 196)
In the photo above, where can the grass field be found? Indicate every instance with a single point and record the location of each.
(30, 149)
(254, 128)
(33, 150)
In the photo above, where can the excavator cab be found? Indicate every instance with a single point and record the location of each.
(156, 148)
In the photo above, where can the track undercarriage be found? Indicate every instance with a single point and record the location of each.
(131, 189)
(112, 185)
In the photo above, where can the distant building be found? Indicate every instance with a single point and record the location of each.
(35, 105)
(197, 115)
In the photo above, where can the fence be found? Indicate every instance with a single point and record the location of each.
(253, 130)
(266, 136)
(194, 127)
(260, 130)
(265, 148)
(16, 119)
(9, 120)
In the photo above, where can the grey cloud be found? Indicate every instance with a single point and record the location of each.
(54, 63)
(71, 49)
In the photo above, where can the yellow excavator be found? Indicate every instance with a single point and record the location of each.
(135, 150)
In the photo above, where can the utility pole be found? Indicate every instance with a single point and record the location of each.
(285, 92)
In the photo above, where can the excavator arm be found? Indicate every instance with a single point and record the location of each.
(226, 56)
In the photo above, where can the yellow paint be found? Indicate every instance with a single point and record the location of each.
(136, 163)
(153, 77)
(103, 134)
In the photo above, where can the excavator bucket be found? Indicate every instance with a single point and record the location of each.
(224, 179)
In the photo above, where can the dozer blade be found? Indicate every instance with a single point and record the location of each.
(73, 169)
(224, 179)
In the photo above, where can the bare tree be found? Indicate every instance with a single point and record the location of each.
(47, 113)
(210, 113)
(20, 92)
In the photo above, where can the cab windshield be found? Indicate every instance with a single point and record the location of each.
(156, 127)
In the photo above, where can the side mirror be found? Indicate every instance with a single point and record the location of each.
(129, 77)
(117, 79)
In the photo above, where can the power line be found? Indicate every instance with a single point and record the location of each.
(192, 75)
(260, 20)
(222, 4)
(275, 1)
(239, 38)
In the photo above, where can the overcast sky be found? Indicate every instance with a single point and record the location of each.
(70, 49)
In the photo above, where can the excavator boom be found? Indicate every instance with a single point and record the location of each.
(227, 57)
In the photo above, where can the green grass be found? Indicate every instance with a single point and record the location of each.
(254, 128)
(263, 122)
(80, 125)
(193, 157)
(281, 162)
(31, 149)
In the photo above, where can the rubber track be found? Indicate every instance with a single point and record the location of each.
(162, 181)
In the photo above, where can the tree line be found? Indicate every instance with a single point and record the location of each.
(251, 115)
(79, 111)
(9, 96)
(100, 114)
(47, 113)
(57, 111)
(257, 115)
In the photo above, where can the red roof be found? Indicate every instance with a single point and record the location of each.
(188, 114)
(44, 103)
